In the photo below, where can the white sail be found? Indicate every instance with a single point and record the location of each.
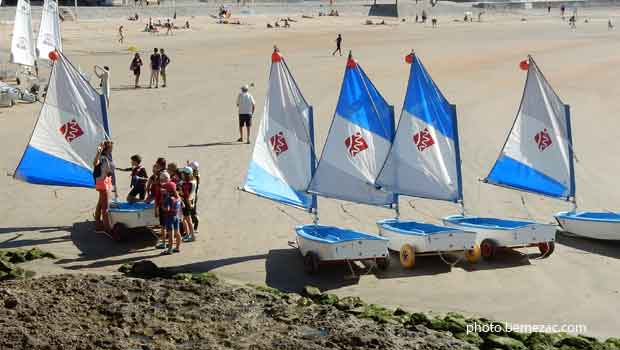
(49, 30)
(72, 123)
(22, 44)
(357, 144)
(283, 158)
(537, 156)
(424, 159)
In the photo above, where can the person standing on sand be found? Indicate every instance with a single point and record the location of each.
(104, 83)
(121, 37)
(168, 27)
(165, 61)
(103, 171)
(135, 66)
(338, 45)
(562, 9)
(155, 67)
(247, 106)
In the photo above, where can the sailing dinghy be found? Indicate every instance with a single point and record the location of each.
(537, 158)
(424, 162)
(283, 163)
(22, 43)
(72, 123)
(49, 30)
(592, 224)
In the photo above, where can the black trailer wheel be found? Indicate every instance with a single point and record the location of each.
(488, 249)
(311, 263)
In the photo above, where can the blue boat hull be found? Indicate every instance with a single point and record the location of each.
(591, 224)
(425, 238)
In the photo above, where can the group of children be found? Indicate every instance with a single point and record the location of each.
(174, 192)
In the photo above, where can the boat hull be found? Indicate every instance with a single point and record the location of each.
(597, 225)
(336, 244)
(505, 233)
(132, 215)
(425, 238)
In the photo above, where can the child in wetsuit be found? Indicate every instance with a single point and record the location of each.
(139, 177)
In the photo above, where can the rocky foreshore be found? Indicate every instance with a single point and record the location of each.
(197, 311)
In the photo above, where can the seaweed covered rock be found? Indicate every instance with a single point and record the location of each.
(505, 343)
(471, 338)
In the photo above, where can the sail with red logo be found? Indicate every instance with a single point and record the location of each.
(357, 144)
(426, 145)
(283, 158)
(537, 156)
(72, 123)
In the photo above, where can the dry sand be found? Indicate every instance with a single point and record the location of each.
(245, 238)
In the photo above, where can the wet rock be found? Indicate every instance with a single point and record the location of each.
(506, 343)
(455, 323)
(311, 292)
(6, 266)
(471, 338)
(328, 299)
(11, 302)
(612, 344)
(400, 312)
(349, 303)
(418, 318)
(438, 324)
(578, 342)
(304, 302)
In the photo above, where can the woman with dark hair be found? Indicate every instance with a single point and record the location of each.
(136, 63)
(103, 170)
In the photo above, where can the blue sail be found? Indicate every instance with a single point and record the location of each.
(537, 156)
(283, 158)
(424, 159)
(72, 123)
(357, 144)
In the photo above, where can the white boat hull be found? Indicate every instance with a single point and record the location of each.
(597, 225)
(140, 217)
(442, 240)
(514, 234)
(347, 250)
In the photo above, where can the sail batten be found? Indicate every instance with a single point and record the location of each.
(357, 144)
(49, 38)
(22, 43)
(424, 159)
(71, 125)
(537, 155)
(283, 157)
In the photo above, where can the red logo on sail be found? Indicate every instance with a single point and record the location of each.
(543, 140)
(355, 144)
(71, 130)
(278, 143)
(423, 140)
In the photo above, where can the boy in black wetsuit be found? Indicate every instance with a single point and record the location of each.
(138, 179)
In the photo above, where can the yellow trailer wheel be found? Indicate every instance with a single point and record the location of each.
(407, 256)
(473, 255)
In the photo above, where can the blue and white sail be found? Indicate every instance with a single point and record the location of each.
(537, 156)
(358, 143)
(424, 159)
(49, 30)
(283, 158)
(72, 123)
(22, 43)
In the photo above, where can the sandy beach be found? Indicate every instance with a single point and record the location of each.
(244, 238)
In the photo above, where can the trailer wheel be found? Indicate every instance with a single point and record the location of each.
(311, 263)
(383, 263)
(488, 249)
(118, 231)
(546, 249)
(407, 256)
(473, 255)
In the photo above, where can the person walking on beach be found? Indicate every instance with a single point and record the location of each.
(121, 37)
(562, 9)
(246, 104)
(165, 61)
(155, 68)
(135, 67)
(104, 75)
(103, 171)
(610, 25)
(168, 27)
(338, 45)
